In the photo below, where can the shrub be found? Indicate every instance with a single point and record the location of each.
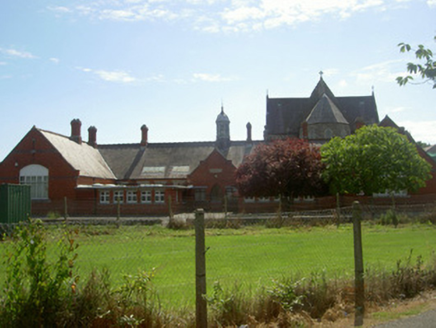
(37, 290)
(228, 307)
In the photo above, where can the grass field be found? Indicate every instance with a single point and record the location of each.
(250, 256)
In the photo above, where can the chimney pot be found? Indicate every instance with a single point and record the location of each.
(92, 136)
(75, 131)
(249, 132)
(144, 139)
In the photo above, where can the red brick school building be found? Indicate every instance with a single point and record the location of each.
(145, 178)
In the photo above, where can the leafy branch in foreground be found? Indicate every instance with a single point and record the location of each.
(426, 69)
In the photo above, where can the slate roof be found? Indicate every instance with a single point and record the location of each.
(165, 160)
(81, 157)
(325, 111)
(285, 115)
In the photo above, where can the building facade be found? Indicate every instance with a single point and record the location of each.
(77, 177)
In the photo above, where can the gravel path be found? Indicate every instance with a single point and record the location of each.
(423, 320)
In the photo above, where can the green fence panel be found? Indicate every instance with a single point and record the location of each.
(15, 203)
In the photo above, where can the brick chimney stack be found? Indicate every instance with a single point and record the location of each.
(144, 140)
(92, 136)
(358, 123)
(75, 131)
(249, 132)
(305, 133)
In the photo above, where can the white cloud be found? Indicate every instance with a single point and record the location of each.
(16, 53)
(421, 130)
(431, 3)
(386, 71)
(224, 15)
(400, 109)
(60, 9)
(111, 76)
(211, 77)
(2, 63)
(55, 60)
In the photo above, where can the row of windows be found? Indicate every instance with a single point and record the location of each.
(276, 199)
(132, 197)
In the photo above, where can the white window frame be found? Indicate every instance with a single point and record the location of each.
(132, 197)
(159, 196)
(37, 177)
(105, 197)
(146, 197)
(118, 194)
(263, 199)
(387, 193)
(249, 200)
(200, 194)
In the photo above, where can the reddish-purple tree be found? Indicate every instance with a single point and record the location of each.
(287, 168)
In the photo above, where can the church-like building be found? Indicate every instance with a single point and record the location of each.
(81, 177)
(319, 117)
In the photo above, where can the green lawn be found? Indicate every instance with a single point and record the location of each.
(250, 256)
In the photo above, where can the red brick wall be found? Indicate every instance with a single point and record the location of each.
(214, 170)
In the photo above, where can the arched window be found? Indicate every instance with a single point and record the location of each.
(328, 134)
(37, 177)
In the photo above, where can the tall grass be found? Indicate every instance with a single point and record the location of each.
(292, 287)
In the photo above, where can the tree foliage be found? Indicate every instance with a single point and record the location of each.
(426, 69)
(373, 160)
(289, 168)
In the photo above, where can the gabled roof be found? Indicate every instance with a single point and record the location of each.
(325, 111)
(388, 122)
(165, 160)
(285, 115)
(82, 157)
(320, 90)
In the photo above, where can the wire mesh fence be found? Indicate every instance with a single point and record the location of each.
(247, 251)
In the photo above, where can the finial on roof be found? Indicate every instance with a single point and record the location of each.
(321, 74)
(372, 88)
(222, 106)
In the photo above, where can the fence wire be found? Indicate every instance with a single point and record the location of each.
(248, 251)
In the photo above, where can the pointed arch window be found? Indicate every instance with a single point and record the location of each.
(37, 177)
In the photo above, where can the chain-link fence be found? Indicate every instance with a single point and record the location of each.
(248, 251)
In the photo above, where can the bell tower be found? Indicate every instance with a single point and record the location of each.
(222, 131)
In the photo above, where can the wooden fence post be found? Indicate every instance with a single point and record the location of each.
(65, 208)
(118, 212)
(358, 265)
(170, 211)
(200, 271)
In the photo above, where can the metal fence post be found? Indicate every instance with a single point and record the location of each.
(200, 271)
(358, 265)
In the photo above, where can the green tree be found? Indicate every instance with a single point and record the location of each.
(373, 160)
(426, 69)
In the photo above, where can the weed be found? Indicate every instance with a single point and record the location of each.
(228, 307)
(283, 293)
(37, 290)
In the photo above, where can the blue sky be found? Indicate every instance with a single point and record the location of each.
(119, 64)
